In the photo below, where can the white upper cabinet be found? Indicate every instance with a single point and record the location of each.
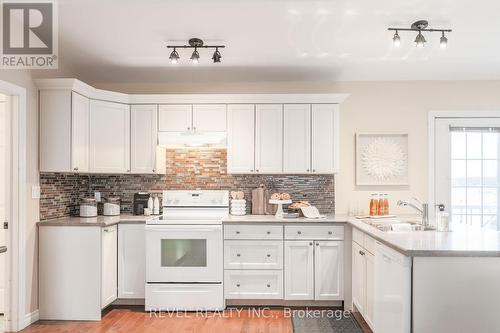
(109, 137)
(175, 117)
(144, 136)
(329, 273)
(64, 131)
(299, 270)
(241, 138)
(297, 138)
(80, 108)
(209, 117)
(269, 138)
(324, 134)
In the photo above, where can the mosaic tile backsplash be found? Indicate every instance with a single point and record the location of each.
(186, 169)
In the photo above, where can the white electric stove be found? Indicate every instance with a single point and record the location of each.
(184, 252)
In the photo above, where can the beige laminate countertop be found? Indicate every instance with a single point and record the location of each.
(273, 219)
(99, 221)
(462, 241)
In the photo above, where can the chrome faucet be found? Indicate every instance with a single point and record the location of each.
(423, 209)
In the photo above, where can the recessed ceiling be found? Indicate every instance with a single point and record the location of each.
(124, 41)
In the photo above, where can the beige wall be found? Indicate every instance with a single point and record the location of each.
(401, 106)
(23, 79)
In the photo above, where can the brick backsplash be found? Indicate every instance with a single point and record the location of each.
(186, 169)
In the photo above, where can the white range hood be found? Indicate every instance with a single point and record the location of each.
(192, 139)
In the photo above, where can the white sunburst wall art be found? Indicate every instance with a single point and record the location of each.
(381, 159)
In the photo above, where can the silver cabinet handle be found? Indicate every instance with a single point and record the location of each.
(105, 230)
(269, 256)
(237, 232)
(307, 170)
(189, 128)
(251, 170)
(361, 252)
(299, 232)
(154, 170)
(257, 170)
(238, 285)
(238, 255)
(194, 128)
(311, 243)
(269, 286)
(76, 169)
(314, 170)
(268, 232)
(329, 232)
(317, 244)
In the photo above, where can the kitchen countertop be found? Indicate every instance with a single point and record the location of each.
(99, 221)
(273, 219)
(3, 249)
(463, 241)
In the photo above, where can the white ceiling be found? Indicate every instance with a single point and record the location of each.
(275, 40)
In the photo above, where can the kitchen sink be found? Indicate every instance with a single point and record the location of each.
(386, 225)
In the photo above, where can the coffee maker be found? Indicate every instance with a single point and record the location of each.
(140, 202)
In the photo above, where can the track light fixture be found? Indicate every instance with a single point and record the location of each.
(195, 43)
(420, 26)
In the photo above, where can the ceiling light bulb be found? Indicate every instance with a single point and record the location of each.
(420, 40)
(195, 57)
(174, 57)
(217, 56)
(396, 39)
(443, 42)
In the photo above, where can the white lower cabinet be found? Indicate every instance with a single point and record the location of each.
(299, 270)
(328, 270)
(109, 262)
(253, 284)
(248, 254)
(131, 262)
(363, 276)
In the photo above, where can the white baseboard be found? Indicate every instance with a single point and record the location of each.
(30, 318)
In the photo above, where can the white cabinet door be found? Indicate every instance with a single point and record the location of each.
(109, 263)
(324, 138)
(144, 136)
(209, 117)
(369, 289)
(299, 270)
(55, 130)
(269, 138)
(358, 277)
(80, 108)
(131, 260)
(241, 134)
(328, 270)
(109, 137)
(297, 138)
(175, 118)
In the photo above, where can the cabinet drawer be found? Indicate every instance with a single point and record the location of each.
(358, 236)
(261, 231)
(253, 284)
(249, 254)
(317, 232)
(370, 244)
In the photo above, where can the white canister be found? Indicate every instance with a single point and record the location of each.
(88, 207)
(112, 206)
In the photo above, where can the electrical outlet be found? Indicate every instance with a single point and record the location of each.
(35, 192)
(97, 196)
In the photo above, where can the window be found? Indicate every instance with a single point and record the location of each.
(475, 176)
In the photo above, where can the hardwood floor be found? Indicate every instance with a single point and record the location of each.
(129, 320)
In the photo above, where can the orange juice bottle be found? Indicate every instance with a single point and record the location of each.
(380, 206)
(386, 204)
(373, 205)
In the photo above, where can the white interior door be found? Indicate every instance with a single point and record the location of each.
(467, 170)
(5, 186)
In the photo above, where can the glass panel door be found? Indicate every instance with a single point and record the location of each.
(467, 170)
